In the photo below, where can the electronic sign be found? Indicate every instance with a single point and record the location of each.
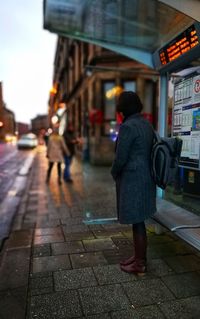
(182, 49)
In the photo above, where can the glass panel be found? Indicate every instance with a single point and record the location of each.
(141, 24)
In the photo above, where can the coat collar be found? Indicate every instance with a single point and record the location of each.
(133, 116)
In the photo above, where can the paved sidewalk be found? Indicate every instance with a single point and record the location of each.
(53, 266)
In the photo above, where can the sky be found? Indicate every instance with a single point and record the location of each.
(26, 58)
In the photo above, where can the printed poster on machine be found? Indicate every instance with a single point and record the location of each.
(186, 117)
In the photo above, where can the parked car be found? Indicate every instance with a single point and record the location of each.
(27, 141)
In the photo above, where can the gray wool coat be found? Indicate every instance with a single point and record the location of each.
(135, 188)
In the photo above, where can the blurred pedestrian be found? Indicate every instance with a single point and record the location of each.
(55, 149)
(70, 141)
(46, 138)
(135, 188)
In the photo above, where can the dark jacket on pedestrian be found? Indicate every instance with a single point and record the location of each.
(70, 140)
(136, 190)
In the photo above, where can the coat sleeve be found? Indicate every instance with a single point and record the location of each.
(126, 137)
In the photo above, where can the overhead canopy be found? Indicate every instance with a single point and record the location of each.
(135, 28)
(190, 8)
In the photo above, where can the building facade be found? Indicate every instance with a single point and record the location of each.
(2, 133)
(39, 124)
(87, 79)
(7, 120)
(22, 128)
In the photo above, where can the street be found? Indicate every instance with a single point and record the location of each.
(12, 183)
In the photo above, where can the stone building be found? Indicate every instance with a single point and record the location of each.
(87, 79)
(39, 123)
(9, 122)
(22, 128)
(7, 119)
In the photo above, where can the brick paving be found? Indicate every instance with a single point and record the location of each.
(54, 266)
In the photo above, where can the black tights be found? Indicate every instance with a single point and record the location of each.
(50, 169)
(139, 229)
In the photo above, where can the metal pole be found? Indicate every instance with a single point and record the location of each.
(162, 127)
(162, 114)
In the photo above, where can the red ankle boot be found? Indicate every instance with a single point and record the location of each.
(138, 264)
(137, 267)
(128, 261)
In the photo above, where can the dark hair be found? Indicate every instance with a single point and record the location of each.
(129, 103)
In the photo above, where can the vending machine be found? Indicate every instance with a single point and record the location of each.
(186, 125)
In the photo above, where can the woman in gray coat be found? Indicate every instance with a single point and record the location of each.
(136, 190)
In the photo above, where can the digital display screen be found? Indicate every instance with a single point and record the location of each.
(183, 43)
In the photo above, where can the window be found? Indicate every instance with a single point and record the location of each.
(109, 100)
(129, 86)
(110, 93)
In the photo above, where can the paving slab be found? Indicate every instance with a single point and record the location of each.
(79, 236)
(114, 256)
(71, 221)
(170, 249)
(150, 291)
(101, 316)
(51, 263)
(14, 269)
(47, 223)
(69, 247)
(103, 299)
(41, 250)
(107, 233)
(122, 242)
(73, 279)
(183, 285)
(147, 312)
(20, 239)
(183, 263)
(13, 303)
(48, 231)
(54, 238)
(41, 282)
(41, 291)
(158, 268)
(87, 259)
(59, 305)
(112, 274)
(41, 285)
(98, 244)
(27, 225)
(68, 229)
(117, 227)
(95, 227)
(41, 274)
(187, 308)
(160, 239)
